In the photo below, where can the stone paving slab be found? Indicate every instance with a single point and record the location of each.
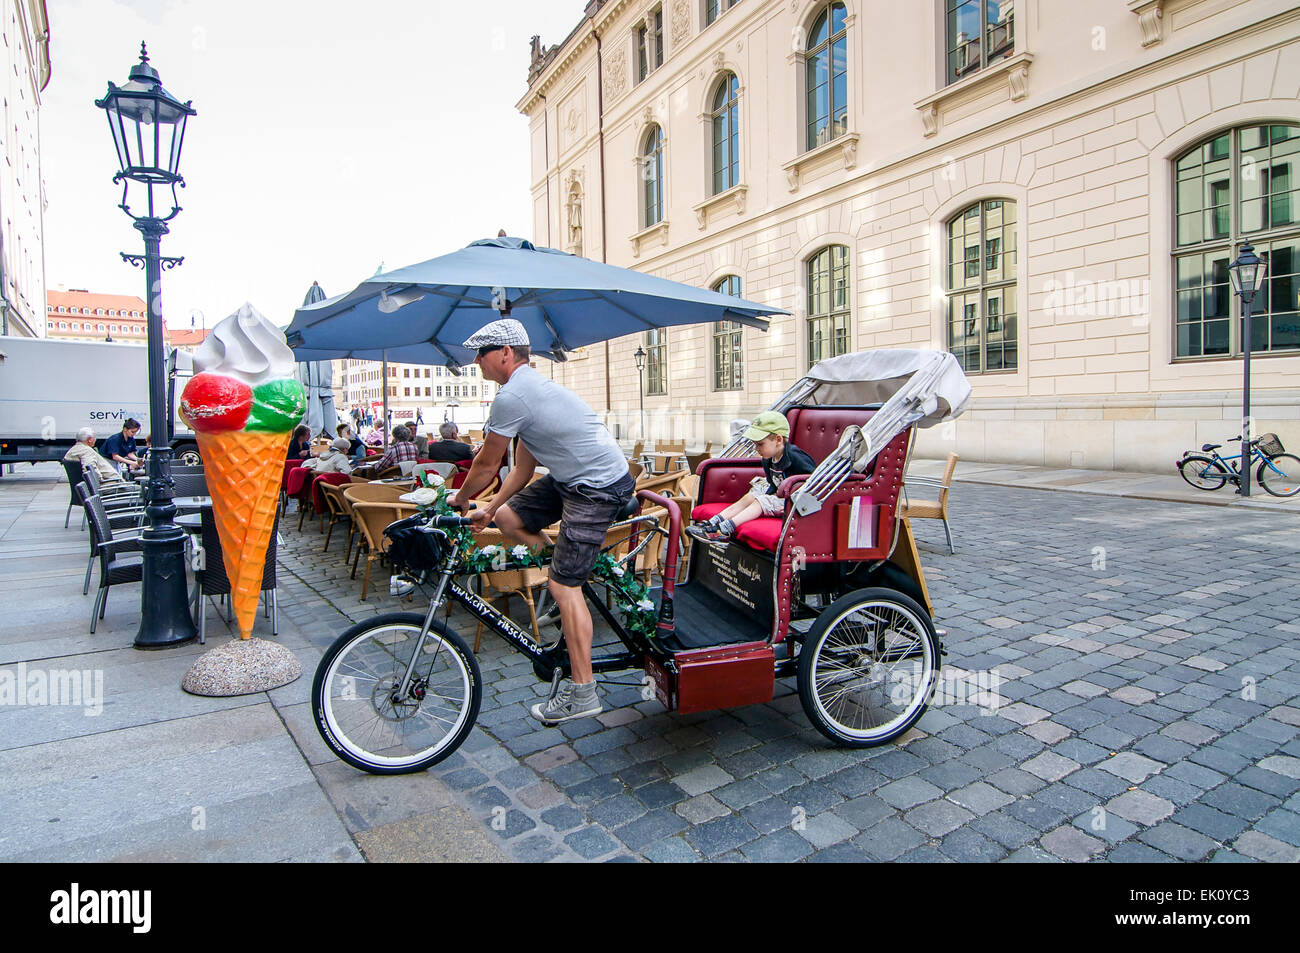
(1108, 713)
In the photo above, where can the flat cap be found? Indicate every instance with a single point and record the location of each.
(505, 331)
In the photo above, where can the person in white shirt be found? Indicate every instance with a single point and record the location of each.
(333, 460)
(84, 452)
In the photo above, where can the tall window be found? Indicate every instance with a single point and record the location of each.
(826, 76)
(656, 361)
(979, 32)
(1238, 186)
(726, 134)
(982, 286)
(650, 44)
(652, 177)
(716, 8)
(828, 303)
(728, 345)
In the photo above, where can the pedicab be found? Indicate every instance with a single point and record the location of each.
(832, 594)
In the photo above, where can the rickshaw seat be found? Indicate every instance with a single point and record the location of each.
(762, 533)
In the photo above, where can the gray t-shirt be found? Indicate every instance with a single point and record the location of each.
(558, 428)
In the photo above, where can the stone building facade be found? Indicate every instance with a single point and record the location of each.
(25, 30)
(1051, 190)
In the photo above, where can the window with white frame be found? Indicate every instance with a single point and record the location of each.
(652, 177)
(728, 344)
(1237, 186)
(716, 8)
(656, 363)
(826, 66)
(978, 32)
(726, 133)
(981, 285)
(829, 307)
(650, 43)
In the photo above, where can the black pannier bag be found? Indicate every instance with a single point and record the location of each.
(412, 548)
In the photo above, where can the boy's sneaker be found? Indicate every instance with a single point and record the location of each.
(567, 701)
(708, 532)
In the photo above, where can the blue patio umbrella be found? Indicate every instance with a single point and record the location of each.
(420, 314)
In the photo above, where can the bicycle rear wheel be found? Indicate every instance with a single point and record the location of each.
(1280, 475)
(1202, 472)
(356, 703)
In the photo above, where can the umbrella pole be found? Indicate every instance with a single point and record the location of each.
(384, 374)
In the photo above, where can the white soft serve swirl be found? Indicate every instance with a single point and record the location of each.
(246, 346)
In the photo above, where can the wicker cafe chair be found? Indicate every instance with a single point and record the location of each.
(693, 460)
(509, 582)
(120, 559)
(336, 504)
(374, 506)
(930, 509)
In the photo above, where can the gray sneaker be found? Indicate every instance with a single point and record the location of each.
(567, 702)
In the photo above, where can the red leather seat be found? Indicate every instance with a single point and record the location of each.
(708, 510)
(761, 533)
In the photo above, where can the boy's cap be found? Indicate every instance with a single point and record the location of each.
(506, 331)
(341, 444)
(767, 424)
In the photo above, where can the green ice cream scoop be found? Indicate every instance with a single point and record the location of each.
(277, 405)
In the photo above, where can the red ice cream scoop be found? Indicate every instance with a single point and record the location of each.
(215, 402)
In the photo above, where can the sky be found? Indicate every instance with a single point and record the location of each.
(331, 137)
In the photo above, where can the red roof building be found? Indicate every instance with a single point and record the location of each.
(80, 315)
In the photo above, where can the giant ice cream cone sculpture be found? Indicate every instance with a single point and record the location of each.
(243, 405)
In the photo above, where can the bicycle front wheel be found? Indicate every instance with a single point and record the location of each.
(365, 718)
(1204, 473)
(1280, 475)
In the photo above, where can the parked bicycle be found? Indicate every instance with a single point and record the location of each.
(1278, 472)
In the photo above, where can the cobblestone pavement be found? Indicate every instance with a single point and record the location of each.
(1150, 703)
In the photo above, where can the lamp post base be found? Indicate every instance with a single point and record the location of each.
(165, 621)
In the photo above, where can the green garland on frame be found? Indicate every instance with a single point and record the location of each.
(632, 597)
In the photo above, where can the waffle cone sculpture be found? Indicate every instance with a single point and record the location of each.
(243, 406)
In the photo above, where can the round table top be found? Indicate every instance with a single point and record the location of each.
(190, 522)
(192, 502)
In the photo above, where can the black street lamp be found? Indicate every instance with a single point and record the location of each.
(148, 126)
(1246, 275)
(639, 357)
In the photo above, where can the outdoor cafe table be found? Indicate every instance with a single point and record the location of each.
(191, 504)
(661, 462)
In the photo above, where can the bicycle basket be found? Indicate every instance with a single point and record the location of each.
(1269, 445)
(412, 549)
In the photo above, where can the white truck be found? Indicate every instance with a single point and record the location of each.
(51, 389)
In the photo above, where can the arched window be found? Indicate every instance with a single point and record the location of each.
(982, 286)
(728, 344)
(829, 306)
(652, 177)
(726, 134)
(1240, 185)
(826, 76)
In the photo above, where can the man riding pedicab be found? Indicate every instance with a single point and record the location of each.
(587, 484)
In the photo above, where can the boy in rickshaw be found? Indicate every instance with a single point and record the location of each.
(769, 432)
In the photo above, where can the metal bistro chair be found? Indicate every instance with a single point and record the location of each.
(113, 494)
(212, 580)
(73, 470)
(190, 484)
(120, 559)
(125, 522)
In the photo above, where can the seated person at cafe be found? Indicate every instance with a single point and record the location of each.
(333, 460)
(83, 452)
(769, 433)
(401, 451)
(356, 449)
(300, 443)
(449, 449)
(120, 448)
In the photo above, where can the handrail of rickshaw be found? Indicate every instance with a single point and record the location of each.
(666, 623)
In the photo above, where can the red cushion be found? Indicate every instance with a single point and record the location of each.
(761, 533)
(318, 496)
(706, 510)
(295, 480)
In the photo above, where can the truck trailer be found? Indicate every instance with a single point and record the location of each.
(51, 389)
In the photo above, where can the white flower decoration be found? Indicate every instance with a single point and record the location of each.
(645, 605)
(433, 478)
(617, 570)
(519, 552)
(424, 496)
(490, 550)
